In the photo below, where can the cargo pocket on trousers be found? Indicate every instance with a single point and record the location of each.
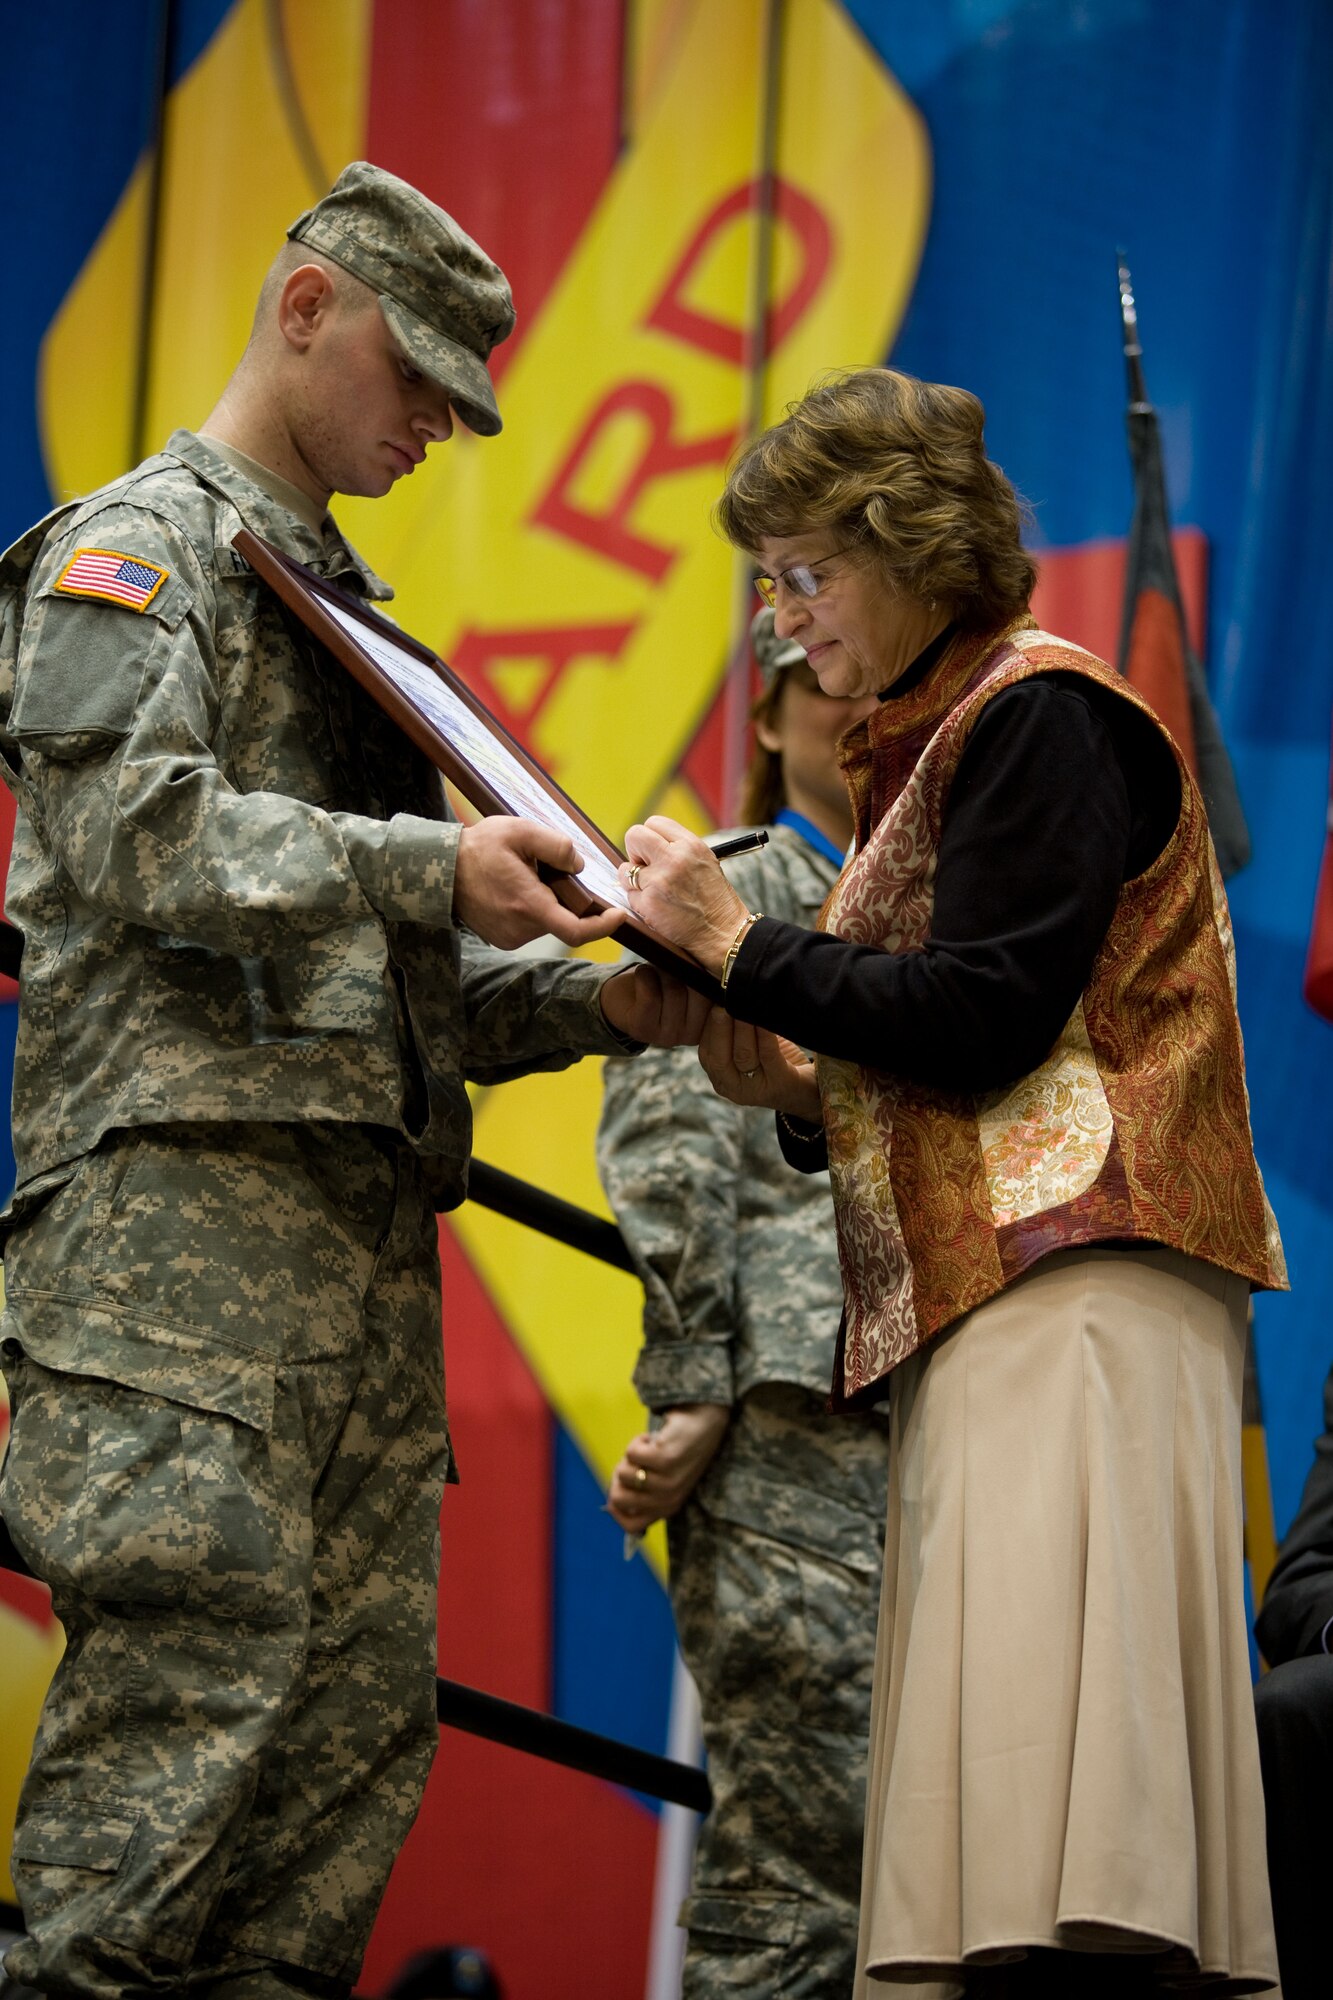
(745, 1937)
(83, 1834)
(27, 1202)
(121, 1496)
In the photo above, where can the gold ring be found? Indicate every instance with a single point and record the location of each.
(634, 874)
(640, 1476)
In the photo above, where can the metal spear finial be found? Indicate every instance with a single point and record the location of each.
(1138, 393)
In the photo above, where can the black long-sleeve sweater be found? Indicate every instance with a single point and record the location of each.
(1062, 794)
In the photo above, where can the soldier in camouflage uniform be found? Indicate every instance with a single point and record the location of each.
(254, 985)
(774, 1508)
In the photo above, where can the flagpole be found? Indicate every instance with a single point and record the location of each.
(150, 258)
(1154, 652)
(1129, 328)
(289, 98)
(736, 697)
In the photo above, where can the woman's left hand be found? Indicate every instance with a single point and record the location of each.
(748, 1065)
(677, 888)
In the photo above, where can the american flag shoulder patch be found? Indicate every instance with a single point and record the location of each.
(109, 574)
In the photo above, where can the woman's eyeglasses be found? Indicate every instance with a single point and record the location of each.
(800, 579)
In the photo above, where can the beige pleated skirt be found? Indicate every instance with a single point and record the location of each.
(1063, 1749)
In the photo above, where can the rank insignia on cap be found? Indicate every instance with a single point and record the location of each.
(120, 579)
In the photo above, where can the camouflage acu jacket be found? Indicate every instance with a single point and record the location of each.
(736, 1250)
(233, 874)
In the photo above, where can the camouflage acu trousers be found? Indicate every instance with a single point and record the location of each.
(228, 1452)
(775, 1567)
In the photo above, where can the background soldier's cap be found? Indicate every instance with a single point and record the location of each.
(445, 302)
(771, 653)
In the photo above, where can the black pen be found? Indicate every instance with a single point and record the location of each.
(740, 843)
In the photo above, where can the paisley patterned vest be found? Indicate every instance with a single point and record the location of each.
(1136, 1126)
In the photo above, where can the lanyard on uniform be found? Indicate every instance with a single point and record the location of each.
(811, 835)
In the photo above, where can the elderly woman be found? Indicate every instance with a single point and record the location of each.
(1030, 1091)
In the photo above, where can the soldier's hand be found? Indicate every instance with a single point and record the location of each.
(661, 1468)
(653, 1007)
(499, 894)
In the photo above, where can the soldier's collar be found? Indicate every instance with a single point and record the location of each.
(325, 548)
(279, 489)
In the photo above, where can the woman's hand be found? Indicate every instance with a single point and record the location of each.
(661, 1468)
(748, 1065)
(677, 888)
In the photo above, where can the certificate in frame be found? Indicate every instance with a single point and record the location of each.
(446, 720)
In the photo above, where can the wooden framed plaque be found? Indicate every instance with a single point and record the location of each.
(439, 712)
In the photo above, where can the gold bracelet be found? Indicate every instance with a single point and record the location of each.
(801, 1138)
(751, 917)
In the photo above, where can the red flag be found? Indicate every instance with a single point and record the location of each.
(1319, 962)
(1155, 665)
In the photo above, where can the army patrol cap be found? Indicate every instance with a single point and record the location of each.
(771, 653)
(445, 302)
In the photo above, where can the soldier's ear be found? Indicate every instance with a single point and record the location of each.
(304, 303)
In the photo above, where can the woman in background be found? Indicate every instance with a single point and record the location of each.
(774, 1507)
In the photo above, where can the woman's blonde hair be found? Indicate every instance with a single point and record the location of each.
(898, 468)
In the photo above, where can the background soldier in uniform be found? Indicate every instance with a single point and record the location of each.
(254, 984)
(775, 1508)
